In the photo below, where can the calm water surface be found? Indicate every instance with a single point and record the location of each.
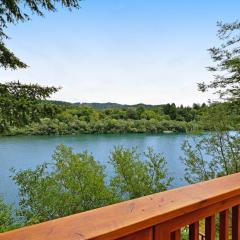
(24, 152)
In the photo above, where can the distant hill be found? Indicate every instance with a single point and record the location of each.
(96, 105)
(107, 105)
(62, 103)
(112, 105)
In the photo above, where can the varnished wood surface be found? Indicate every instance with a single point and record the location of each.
(125, 218)
(191, 217)
(146, 234)
(236, 222)
(210, 229)
(194, 231)
(224, 225)
(176, 235)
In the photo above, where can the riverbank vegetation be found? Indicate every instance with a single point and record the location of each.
(62, 120)
(31, 114)
(73, 120)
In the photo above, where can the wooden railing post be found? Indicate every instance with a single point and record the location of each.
(194, 231)
(176, 235)
(224, 225)
(236, 223)
(210, 228)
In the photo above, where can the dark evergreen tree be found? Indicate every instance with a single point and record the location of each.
(20, 103)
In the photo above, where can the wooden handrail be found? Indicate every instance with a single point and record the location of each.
(155, 217)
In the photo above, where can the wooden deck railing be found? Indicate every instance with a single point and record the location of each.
(155, 217)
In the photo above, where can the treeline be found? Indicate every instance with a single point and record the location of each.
(59, 118)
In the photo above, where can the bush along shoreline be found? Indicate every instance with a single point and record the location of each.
(49, 126)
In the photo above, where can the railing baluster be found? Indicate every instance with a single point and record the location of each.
(236, 223)
(176, 235)
(194, 231)
(210, 228)
(224, 225)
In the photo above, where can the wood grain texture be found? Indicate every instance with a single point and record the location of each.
(189, 218)
(128, 217)
(162, 233)
(194, 231)
(224, 225)
(210, 228)
(236, 222)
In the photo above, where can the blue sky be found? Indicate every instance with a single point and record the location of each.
(125, 51)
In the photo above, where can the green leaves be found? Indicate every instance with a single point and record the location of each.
(76, 182)
(8, 59)
(72, 183)
(48, 117)
(5, 216)
(215, 154)
(19, 103)
(221, 117)
(135, 177)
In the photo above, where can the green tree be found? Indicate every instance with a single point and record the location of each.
(211, 156)
(140, 110)
(216, 153)
(72, 183)
(170, 109)
(20, 103)
(135, 177)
